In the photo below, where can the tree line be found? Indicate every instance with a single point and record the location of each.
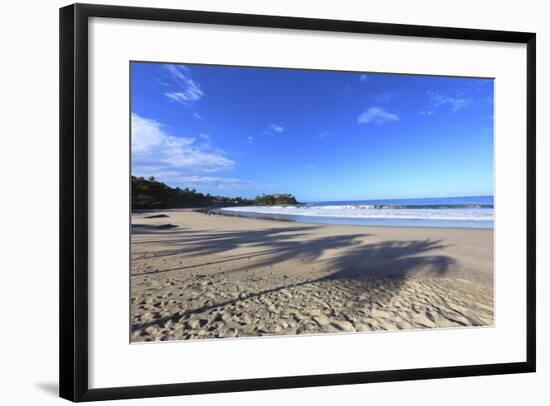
(152, 194)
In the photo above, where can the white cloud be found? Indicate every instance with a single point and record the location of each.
(197, 116)
(427, 113)
(456, 103)
(310, 166)
(217, 183)
(273, 128)
(376, 115)
(323, 134)
(157, 153)
(364, 78)
(250, 139)
(185, 89)
(384, 97)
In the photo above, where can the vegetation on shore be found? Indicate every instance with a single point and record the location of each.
(152, 194)
(278, 199)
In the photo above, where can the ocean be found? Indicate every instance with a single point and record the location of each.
(469, 212)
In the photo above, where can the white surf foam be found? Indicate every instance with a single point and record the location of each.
(370, 212)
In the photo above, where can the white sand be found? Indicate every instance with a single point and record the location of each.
(218, 276)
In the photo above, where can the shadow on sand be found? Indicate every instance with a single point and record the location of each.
(360, 263)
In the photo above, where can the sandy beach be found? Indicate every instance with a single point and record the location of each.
(198, 276)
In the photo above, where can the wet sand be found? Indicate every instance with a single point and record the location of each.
(198, 276)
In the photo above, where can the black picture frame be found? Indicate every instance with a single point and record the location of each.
(73, 378)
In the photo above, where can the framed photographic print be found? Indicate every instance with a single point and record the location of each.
(257, 202)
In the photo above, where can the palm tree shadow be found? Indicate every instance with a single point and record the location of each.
(359, 264)
(395, 259)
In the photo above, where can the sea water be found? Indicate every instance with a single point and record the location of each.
(469, 211)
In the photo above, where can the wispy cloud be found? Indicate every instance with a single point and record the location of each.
(250, 139)
(456, 103)
(364, 78)
(384, 97)
(310, 166)
(273, 128)
(323, 134)
(155, 152)
(427, 113)
(218, 183)
(197, 116)
(376, 115)
(185, 89)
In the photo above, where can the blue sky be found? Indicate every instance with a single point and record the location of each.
(319, 135)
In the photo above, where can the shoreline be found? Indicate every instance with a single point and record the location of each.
(218, 212)
(229, 276)
(341, 221)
